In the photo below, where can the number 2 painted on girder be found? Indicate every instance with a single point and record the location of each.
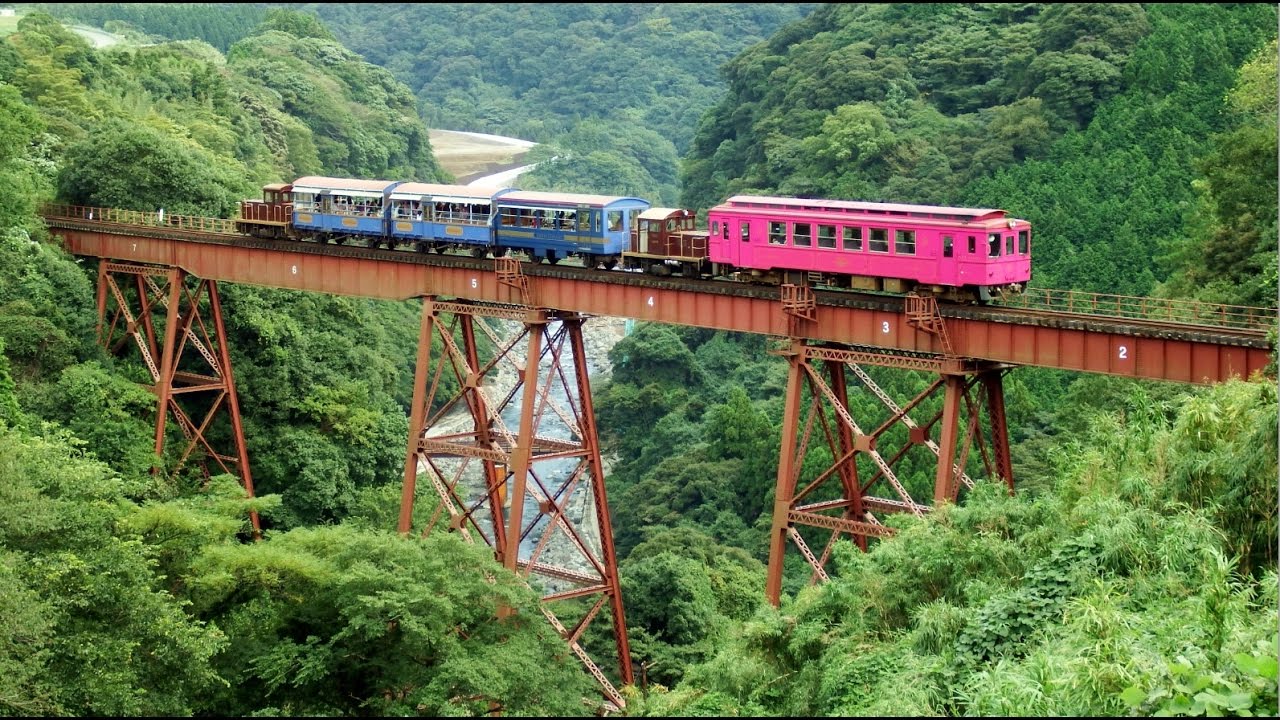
(884, 327)
(1124, 352)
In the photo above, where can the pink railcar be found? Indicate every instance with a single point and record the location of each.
(951, 252)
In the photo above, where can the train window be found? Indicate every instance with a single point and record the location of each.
(615, 220)
(777, 233)
(744, 229)
(973, 245)
(947, 249)
(853, 238)
(1008, 244)
(802, 234)
(826, 236)
(878, 241)
(993, 245)
(1022, 242)
(904, 242)
(715, 228)
(306, 202)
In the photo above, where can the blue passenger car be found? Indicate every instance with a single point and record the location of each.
(436, 217)
(550, 226)
(337, 207)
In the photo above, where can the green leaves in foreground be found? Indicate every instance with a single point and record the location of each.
(340, 621)
(1247, 689)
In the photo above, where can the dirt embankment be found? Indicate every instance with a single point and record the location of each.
(474, 155)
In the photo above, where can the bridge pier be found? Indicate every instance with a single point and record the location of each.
(819, 424)
(535, 494)
(164, 317)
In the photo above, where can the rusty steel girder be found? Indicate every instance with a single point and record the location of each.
(1150, 349)
(534, 492)
(817, 420)
(179, 333)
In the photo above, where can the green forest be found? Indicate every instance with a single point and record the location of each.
(1133, 572)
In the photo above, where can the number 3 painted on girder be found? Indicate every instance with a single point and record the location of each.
(884, 326)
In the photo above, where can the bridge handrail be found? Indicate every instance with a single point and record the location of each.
(1191, 312)
(1146, 308)
(193, 223)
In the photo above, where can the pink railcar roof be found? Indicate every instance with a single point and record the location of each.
(903, 209)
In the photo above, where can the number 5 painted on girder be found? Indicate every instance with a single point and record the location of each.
(474, 283)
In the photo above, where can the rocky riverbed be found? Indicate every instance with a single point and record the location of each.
(599, 336)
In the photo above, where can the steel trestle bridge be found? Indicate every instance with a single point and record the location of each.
(157, 291)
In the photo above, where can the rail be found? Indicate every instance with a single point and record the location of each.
(1188, 312)
(141, 218)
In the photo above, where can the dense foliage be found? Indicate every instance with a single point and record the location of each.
(1119, 591)
(1134, 571)
(613, 91)
(1086, 119)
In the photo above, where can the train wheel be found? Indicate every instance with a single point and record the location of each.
(590, 261)
(479, 251)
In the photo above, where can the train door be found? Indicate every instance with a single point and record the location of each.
(588, 221)
(946, 271)
(741, 245)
